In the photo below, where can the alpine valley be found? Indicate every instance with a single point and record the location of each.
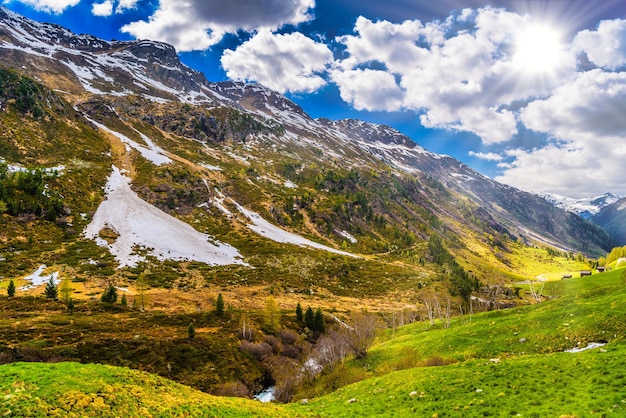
(211, 211)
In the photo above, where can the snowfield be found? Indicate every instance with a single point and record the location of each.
(154, 232)
(271, 231)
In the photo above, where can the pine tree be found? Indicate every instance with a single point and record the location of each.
(109, 295)
(124, 302)
(299, 312)
(191, 331)
(70, 305)
(11, 289)
(219, 305)
(319, 324)
(309, 318)
(51, 291)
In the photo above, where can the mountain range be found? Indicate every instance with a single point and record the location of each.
(243, 165)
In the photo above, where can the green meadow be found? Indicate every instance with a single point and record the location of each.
(503, 363)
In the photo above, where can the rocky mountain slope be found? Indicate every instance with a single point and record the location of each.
(612, 218)
(351, 201)
(585, 207)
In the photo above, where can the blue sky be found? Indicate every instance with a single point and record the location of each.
(529, 92)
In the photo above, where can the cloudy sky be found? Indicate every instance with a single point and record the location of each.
(529, 92)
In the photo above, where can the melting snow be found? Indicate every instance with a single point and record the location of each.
(268, 230)
(36, 279)
(141, 225)
(152, 153)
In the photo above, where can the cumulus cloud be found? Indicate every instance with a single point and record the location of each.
(102, 9)
(487, 156)
(465, 81)
(124, 5)
(50, 6)
(585, 117)
(291, 62)
(200, 24)
(605, 47)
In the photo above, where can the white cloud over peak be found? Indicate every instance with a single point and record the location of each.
(285, 63)
(199, 24)
(605, 47)
(464, 82)
(585, 117)
(49, 6)
(102, 9)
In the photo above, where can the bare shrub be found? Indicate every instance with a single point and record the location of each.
(363, 329)
(257, 350)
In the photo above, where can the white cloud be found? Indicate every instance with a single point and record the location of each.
(200, 24)
(124, 5)
(605, 47)
(369, 89)
(463, 82)
(49, 6)
(102, 9)
(290, 62)
(487, 156)
(586, 119)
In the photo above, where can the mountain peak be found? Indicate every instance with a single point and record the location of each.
(584, 207)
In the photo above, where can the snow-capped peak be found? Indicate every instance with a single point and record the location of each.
(585, 207)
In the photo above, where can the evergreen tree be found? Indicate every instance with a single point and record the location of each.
(51, 291)
(109, 295)
(191, 331)
(219, 305)
(319, 324)
(124, 302)
(70, 305)
(11, 289)
(299, 312)
(309, 318)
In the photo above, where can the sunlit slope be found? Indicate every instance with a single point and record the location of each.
(78, 390)
(504, 363)
(585, 384)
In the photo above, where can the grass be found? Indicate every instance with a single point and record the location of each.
(474, 368)
(91, 390)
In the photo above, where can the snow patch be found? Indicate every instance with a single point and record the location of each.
(37, 279)
(140, 225)
(152, 152)
(268, 230)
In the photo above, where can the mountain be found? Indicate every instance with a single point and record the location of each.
(247, 168)
(585, 208)
(612, 218)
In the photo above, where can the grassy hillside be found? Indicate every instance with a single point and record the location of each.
(499, 363)
(77, 390)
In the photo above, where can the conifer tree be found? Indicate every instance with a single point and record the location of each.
(299, 312)
(70, 305)
(219, 305)
(309, 318)
(11, 289)
(51, 291)
(124, 302)
(109, 295)
(191, 331)
(319, 324)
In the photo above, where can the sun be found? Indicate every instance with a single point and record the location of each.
(538, 49)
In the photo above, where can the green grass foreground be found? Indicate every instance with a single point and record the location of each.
(493, 372)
